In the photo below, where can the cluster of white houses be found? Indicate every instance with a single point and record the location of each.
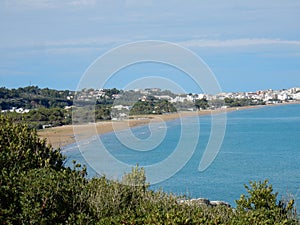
(17, 110)
(267, 96)
(88, 94)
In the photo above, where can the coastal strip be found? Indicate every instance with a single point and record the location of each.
(62, 136)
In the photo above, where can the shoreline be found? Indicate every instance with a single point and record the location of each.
(62, 136)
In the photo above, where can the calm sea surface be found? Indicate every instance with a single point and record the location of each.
(261, 143)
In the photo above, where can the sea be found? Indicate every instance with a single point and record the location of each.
(259, 143)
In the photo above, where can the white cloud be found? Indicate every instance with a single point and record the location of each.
(45, 4)
(67, 51)
(201, 43)
(67, 43)
(232, 43)
(83, 42)
(139, 3)
(79, 3)
(65, 47)
(91, 44)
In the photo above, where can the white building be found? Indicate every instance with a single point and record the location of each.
(296, 96)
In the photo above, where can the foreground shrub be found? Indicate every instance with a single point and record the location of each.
(37, 189)
(112, 198)
(56, 196)
(131, 202)
(22, 149)
(35, 186)
(261, 206)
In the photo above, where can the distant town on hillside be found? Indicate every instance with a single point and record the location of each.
(45, 107)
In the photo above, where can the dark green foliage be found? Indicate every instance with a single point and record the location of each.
(111, 92)
(261, 206)
(46, 105)
(152, 106)
(103, 100)
(53, 116)
(50, 196)
(44, 116)
(111, 199)
(91, 113)
(102, 112)
(201, 104)
(183, 106)
(21, 148)
(32, 97)
(37, 189)
(35, 186)
(233, 102)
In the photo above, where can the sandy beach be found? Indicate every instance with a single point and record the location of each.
(65, 135)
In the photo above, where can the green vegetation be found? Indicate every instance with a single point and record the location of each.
(201, 104)
(232, 102)
(40, 117)
(46, 105)
(32, 97)
(50, 107)
(36, 188)
(152, 105)
(261, 205)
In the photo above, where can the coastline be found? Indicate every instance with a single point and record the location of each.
(62, 136)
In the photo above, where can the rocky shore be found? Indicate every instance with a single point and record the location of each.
(205, 202)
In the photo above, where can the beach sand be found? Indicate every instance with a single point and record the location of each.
(65, 135)
(61, 136)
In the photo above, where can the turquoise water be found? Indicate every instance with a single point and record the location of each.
(261, 143)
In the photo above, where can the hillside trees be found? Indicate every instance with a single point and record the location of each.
(234, 102)
(33, 97)
(43, 116)
(152, 105)
(201, 104)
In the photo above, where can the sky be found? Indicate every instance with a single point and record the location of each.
(248, 45)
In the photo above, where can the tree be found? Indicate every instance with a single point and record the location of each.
(34, 97)
(261, 206)
(56, 197)
(35, 186)
(136, 178)
(152, 105)
(201, 103)
(21, 151)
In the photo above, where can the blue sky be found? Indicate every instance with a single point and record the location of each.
(249, 45)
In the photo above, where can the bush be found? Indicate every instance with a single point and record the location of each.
(35, 186)
(55, 197)
(261, 206)
(112, 198)
(22, 149)
(37, 189)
